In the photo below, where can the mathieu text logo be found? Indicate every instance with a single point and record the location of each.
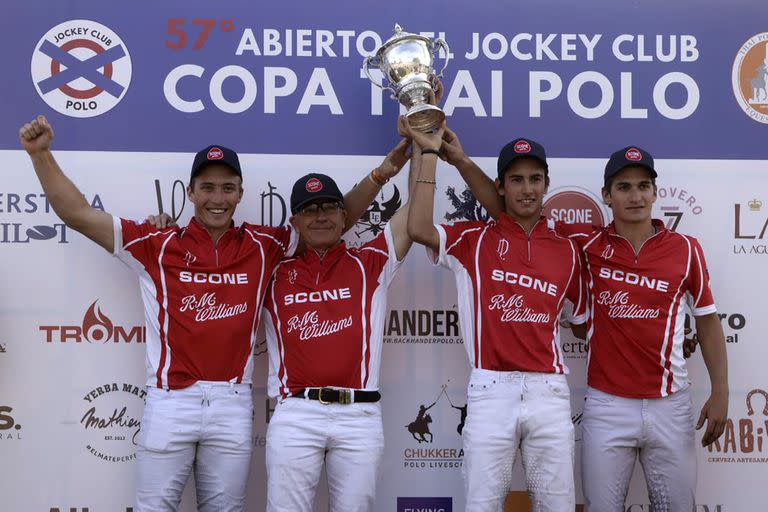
(96, 328)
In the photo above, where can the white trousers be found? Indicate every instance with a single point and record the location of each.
(303, 434)
(660, 431)
(511, 410)
(207, 425)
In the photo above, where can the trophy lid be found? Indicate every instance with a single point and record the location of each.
(398, 36)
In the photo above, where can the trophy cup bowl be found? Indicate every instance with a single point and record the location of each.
(406, 60)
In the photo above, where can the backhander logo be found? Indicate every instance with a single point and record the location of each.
(96, 328)
(420, 430)
(111, 421)
(749, 77)
(378, 214)
(81, 68)
(745, 439)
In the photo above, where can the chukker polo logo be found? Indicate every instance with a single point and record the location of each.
(81, 68)
(749, 77)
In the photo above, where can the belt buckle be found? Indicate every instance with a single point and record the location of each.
(345, 396)
(320, 397)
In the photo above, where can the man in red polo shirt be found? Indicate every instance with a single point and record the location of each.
(514, 275)
(324, 315)
(640, 277)
(202, 287)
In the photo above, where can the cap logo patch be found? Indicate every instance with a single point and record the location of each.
(522, 147)
(314, 185)
(215, 154)
(634, 154)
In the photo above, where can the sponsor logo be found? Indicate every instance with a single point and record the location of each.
(273, 207)
(189, 258)
(425, 504)
(674, 201)
(574, 205)
(525, 281)
(503, 248)
(378, 214)
(111, 421)
(81, 68)
(206, 307)
(607, 252)
(202, 277)
(513, 309)
(635, 279)
(750, 225)
(465, 207)
(215, 154)
(422, 326)
(9, 428)
(317, 296)
(745, 440)
(522, 146)
(732, 324)
(749, 77)
(633, 154)
(310, 326)
(96, 327)
(18, 232)
(2, 348)
(425, 456)
(313, 185)
(619, 306)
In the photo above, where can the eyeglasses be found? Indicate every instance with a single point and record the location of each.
(327, 208)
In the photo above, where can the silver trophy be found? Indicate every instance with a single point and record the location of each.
(406, 60)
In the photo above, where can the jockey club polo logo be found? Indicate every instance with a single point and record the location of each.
(466, 207)
(420, 430)
(111, 421)
(378, 214)
(745, 440)
(81, 68)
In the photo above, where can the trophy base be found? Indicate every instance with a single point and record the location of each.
(425, 117)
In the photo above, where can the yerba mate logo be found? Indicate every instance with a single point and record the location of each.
(81, 68)
(111, 420)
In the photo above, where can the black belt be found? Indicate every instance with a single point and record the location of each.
(338, 396)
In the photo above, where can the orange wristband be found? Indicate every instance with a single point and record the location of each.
(378, 179)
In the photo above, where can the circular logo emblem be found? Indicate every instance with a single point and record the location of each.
(215, 154)
(633, 154)
(749, 77)
(81, 68)
(522, 147)
(574, 206)
(314, 185)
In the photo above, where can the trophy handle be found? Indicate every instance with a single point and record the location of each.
(440, 43)
(366, 63)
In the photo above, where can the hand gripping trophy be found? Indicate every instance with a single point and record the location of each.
(406, 61)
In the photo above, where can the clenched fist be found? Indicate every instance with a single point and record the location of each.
(36, 136)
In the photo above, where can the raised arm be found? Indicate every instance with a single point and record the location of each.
(67, 201)
(482, 186)
(357, 200)
(715, 410)
(421, 204)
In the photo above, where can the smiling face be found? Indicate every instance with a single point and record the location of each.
(631, 194)
(320, 223)
(524, 185)
(215, 191)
